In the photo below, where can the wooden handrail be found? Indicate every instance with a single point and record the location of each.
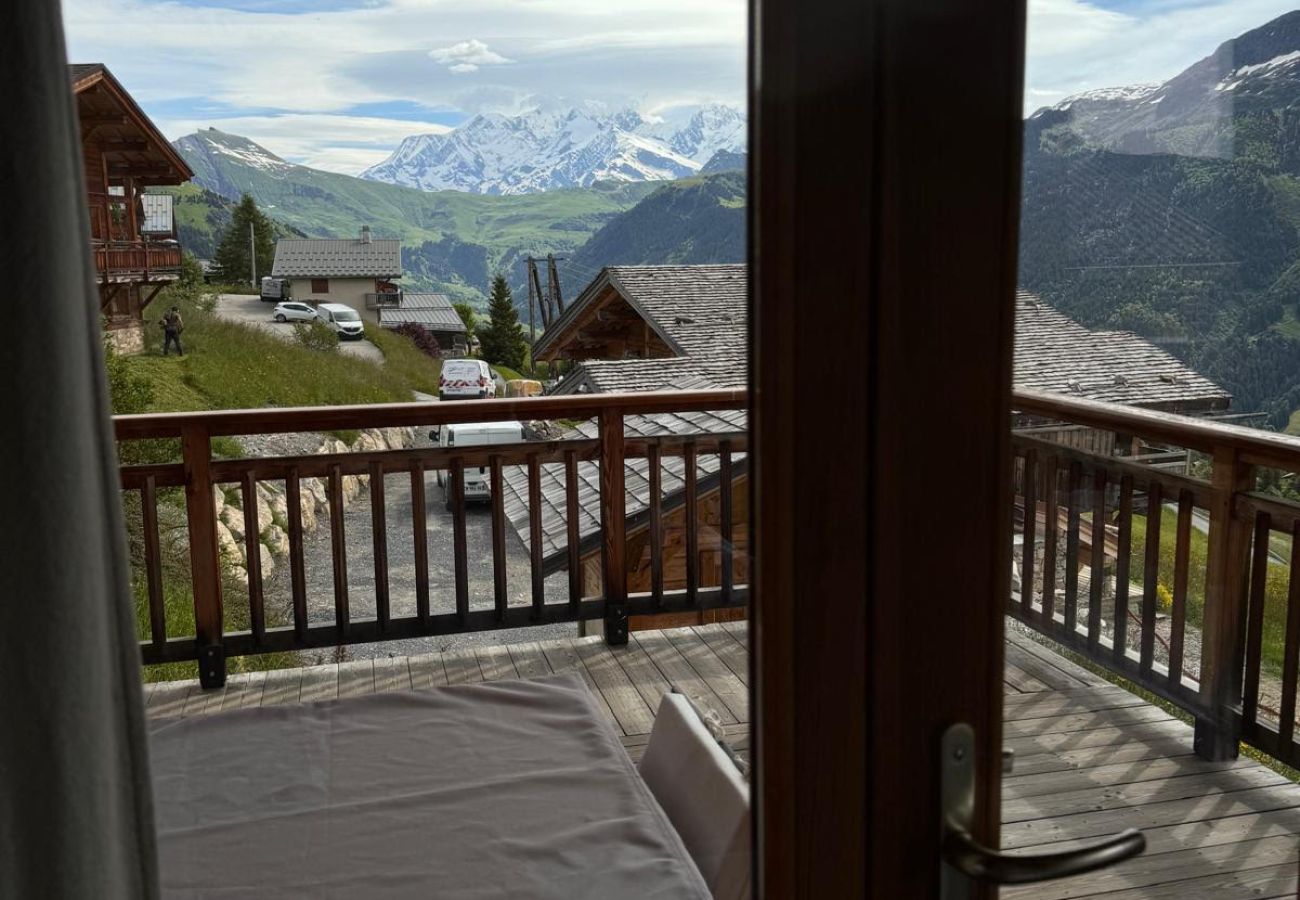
(199, 474)
(1256, 447)
(392, 415)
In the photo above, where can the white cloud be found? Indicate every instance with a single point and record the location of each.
(467, 56)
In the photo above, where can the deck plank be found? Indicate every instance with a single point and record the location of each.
(562, 657)
(728, 649)
(529, 660)
(495, 663)
(716, 674)
(680, 674)
(392, 675)
(1131, 797)
(356, 678)
(462, 667)
(282, 686)
(631, 711)
(427, 671)
(320, 683)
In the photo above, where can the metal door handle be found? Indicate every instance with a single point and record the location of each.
(974, 860)
(965, 861)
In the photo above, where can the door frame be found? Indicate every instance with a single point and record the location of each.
(885, 196)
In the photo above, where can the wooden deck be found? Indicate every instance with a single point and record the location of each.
(1090, 757)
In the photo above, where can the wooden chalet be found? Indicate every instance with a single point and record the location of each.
(132, 233)
(655, 328)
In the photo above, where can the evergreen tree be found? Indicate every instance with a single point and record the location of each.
(232, 252)
(502, 341)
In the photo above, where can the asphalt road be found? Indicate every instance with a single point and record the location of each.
(319, 572)
(253, 310)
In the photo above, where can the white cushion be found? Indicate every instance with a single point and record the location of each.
(703, 793)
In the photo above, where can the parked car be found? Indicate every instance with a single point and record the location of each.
(474, 434)
(343, 320)
(466, 379)
(293, 311)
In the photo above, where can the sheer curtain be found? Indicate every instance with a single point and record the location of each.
(75, 806)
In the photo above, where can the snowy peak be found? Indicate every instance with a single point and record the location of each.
(554, 147)
(1195, 113)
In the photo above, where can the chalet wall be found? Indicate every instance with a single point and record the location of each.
(348, 291)
(674, 555)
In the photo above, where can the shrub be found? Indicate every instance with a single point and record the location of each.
(316, 336)
(422, 338)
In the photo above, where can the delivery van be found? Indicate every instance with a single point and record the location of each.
(478, 486)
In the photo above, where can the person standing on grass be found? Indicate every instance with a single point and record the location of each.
(172, 326)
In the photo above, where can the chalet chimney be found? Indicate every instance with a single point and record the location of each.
(365, 234)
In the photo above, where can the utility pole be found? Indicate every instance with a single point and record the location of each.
(532, 304)
(535, 288)
(553, 282)
(252, 257)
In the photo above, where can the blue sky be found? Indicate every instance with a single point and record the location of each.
(337, 83)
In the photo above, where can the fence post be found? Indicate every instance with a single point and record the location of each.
(1218, 728)
(613, 520)
(205, 567)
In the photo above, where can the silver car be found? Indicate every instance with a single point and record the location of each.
(293, 311)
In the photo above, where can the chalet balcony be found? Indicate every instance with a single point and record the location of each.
(1124, 573)
(384, 300)
(137, 260)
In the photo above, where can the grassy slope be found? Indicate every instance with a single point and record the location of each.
(228, 365)
(1275, 604)
(233, 366)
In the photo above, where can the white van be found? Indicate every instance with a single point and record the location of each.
(478, 484)
(466, 379)
(344, 320)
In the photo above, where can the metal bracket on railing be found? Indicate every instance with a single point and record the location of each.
(212, 666)
(615, 625)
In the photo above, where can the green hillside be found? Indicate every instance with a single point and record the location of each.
(694, 220)
(453, 240)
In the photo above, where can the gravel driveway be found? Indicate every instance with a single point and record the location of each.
(319, 571)
(253, 310)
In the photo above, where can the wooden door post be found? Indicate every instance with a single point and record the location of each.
(613, 521)
(1226, 583)
(205, 565)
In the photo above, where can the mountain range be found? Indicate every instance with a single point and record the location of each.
(550, 148)
(1172, 210)
(451, 238)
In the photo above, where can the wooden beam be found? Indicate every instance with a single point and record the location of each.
(123, 146)
(96, 121)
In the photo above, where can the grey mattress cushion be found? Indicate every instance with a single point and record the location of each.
(505, 789)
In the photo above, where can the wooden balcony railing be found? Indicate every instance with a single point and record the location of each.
(136, 259)
(1186, 584)
(197, 473)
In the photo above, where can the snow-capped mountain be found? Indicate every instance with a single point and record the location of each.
(549, 148)
(1199, 111)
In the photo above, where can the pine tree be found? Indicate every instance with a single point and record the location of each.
(232, 253)
(502, 341)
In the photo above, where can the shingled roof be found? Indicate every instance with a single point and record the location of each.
(1056, 353)
(636, 477)
(321, 258)
(433, 311)
(697, 311)
(1053, 353)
